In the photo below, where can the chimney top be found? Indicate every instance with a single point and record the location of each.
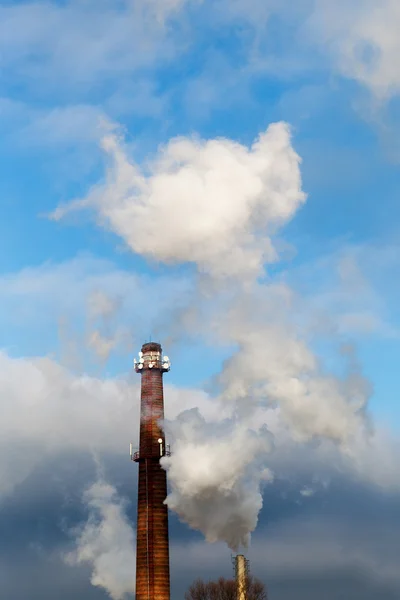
(151, 347)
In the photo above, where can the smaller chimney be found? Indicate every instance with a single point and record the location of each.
(241, 576)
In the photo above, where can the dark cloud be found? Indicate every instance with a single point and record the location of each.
(337, 585)
(339, 542)
(40, 578)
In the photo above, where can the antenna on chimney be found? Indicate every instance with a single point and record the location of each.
(161, 446)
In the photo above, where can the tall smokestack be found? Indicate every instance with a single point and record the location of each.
(241, 573)
(152, 546)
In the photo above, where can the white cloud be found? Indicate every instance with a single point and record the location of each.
(91, 282)
(350, 291)
(61, 127)
(362, 39)
(359, 39)
(64, 138)
(77, 43)
(70, 300)
(221, 201)
(126, 43)
(356, 39)
(46, 409)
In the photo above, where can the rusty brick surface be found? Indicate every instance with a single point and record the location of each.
(152, 558)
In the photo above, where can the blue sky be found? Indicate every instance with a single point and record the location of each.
(204, 79)
(213, 72)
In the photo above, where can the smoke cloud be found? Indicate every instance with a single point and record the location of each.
(275, 366)
(215, 473)
(219, 206)
(106, 542)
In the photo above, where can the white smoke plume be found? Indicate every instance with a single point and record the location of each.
(215, 473)
(275, 366)
(219, 205)
(106, 542)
